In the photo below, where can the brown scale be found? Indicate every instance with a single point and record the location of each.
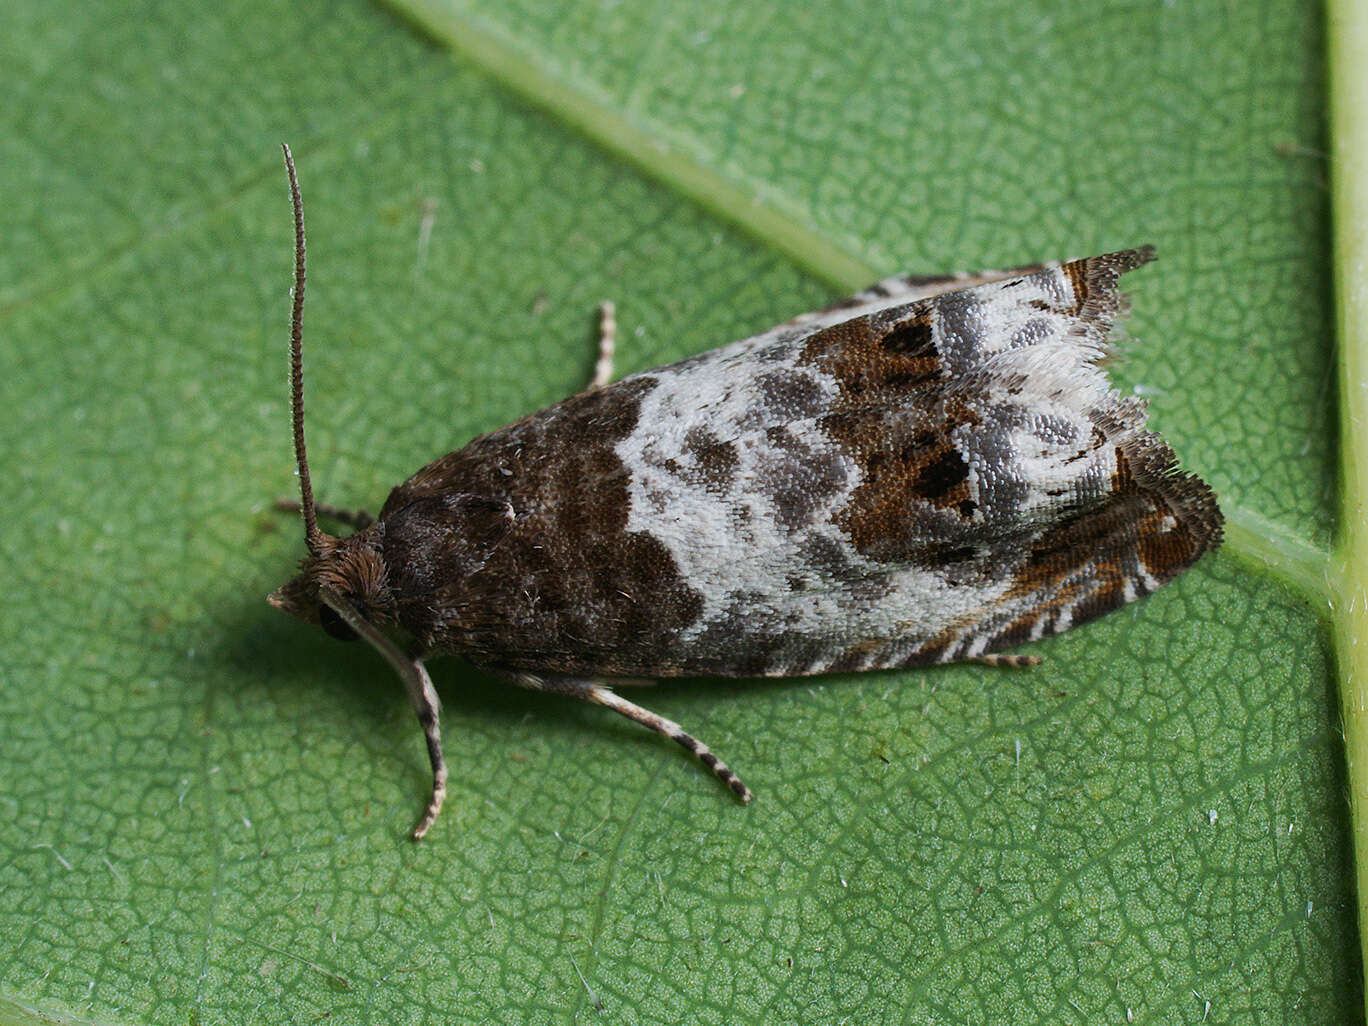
(877, 362)
(1077, 273)
(714, 461)
(904, 483)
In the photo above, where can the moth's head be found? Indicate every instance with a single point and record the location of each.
(342, 584)
(344, 581)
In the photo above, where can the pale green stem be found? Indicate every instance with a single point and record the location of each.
(1347, 37)
(775, 222)
(1269, 547)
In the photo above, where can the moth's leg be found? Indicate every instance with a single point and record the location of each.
(428, 707)
(603, 369)
(1005, 659)
(588, 691)
(356, 519)
(421, 693)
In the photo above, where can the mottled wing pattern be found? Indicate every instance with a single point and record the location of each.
(934, 470)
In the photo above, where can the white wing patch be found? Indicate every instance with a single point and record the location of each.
(928, 472)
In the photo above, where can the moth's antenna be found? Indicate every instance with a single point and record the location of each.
(313, 537)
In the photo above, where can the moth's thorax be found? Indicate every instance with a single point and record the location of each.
(353, 567)
(434, 546)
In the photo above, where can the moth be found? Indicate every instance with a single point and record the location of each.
(935, 469)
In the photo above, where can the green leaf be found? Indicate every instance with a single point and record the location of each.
(203, 805)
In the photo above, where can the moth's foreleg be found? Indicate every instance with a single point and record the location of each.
(421, 693)
(588, 691)
(356, 519)
(428, 707)
(603, 369)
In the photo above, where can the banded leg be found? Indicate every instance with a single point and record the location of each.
(603, 369)
(428, 706)
(1008, 660)
(421, 693)
(588, 691)
(356, 519)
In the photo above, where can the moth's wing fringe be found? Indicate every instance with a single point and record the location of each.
(1151, 461)
(1102, 273)
(1154, 467)
(1103, 302)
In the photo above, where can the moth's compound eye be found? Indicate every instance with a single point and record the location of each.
(334, 625)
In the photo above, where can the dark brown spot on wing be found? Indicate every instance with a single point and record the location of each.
(883, 358)
(911, 338)
(937, 476)
(893, 420)
(913, 499)
(708, 460)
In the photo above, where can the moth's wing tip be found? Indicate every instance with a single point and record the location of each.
(1120, 261)
(1154, 467)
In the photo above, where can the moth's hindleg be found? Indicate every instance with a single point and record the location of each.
(603, 369)
(1008, 660)
(588, 691)
(356, 519)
